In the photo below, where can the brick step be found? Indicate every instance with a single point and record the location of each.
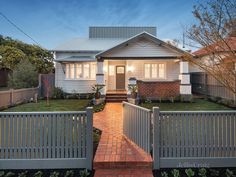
(122, 95)
(123, 165)
(115, 100)
(116, 97)
(123, 172)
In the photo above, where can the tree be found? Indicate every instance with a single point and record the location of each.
(216, 22)
(16, 50)
(10, 57)
(23, 76)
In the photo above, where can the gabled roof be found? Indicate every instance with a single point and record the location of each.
(217, 47)
(145, 35)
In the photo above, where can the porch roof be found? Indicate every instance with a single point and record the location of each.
(76, 59)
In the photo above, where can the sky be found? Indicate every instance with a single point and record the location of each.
(52, 22)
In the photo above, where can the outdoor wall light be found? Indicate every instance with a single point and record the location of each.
(130, 68)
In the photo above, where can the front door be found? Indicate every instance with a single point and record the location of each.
(120, 77)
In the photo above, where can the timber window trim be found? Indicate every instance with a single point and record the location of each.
(80, 71)
(155, 70)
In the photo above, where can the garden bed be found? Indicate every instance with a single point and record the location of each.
(196, 172)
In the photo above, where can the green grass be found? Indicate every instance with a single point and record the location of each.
(196, 105)
(54, 105)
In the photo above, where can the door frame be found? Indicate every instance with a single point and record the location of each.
(124, 76)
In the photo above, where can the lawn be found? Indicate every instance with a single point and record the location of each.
(54, 105)
(196, 105)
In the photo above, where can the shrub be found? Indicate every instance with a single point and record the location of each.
(175, 173)
(229, 173)
(2, 173)
(23, 76)
(69, 173)
(23, 174)
(84, 173)
(10, 174)
(54, 174)
(57, 93)
(189, 172)
(202, 172)
(164, 174)
(214, 172)
(38, 174)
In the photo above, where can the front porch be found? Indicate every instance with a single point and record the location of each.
(147, 62)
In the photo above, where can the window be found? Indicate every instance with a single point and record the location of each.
(86, 71)
(147, 71)
(111, 70)
(72, 71)
(81, 71)
(154, 71)
(161, 71)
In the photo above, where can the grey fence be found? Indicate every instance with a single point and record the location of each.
(46, 140)
(182, 139)
(12, 97)
(194, 139)
(137, 125)
(203, 83)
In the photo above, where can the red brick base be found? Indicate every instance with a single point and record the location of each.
(158, 89)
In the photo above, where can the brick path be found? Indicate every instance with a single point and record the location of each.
(116, 155)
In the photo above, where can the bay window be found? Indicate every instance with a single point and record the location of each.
(154, 71)
(80, 71)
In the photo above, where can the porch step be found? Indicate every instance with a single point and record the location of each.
(116, 97)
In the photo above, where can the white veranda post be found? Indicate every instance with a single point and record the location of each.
(184, 76)
(100, 78)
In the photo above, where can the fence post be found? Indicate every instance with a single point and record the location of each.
(89, 137)
(156, 138)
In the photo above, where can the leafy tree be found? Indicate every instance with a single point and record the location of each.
(215, 24)
(10, 56)
(41, 58)
(23, 76)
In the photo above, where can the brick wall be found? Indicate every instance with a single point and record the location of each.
(163, 89)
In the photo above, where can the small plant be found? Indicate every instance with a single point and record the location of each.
(57, 93)
(10, 174)
(54, 174)
(23, 174)
(164, 174)
(202, 172)
(133, 89)
(97, 90)
(229, 173)
(175, 173)
(38, 174)
(2, 173)
(189, 172)
(84, 173)
(214, 172)
(69, 173)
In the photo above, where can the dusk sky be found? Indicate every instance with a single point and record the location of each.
(51, 22)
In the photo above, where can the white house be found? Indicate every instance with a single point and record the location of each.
(113, 55)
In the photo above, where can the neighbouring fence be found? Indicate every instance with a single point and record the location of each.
(43, 140)
(12, 97)
(203, 83)
(182, 139)
(137, 125)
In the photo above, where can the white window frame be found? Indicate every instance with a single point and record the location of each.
(150, 77)
(68, 75)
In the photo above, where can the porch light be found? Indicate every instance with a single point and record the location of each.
(130, 68)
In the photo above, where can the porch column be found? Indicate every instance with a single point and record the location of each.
(100, 78)
(184, 76)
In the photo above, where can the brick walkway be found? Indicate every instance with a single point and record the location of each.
(116, 155)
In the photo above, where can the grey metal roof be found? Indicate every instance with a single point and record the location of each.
(119, 31)
(86, 44)
(76, 59)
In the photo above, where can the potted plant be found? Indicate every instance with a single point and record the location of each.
(133, 88)
(97, 94)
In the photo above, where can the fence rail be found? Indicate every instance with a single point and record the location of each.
(46, 140)
(194, 138)
(137, 125)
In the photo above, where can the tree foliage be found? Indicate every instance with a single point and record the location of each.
(14, 51)
(213, 31)
(23, 76)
